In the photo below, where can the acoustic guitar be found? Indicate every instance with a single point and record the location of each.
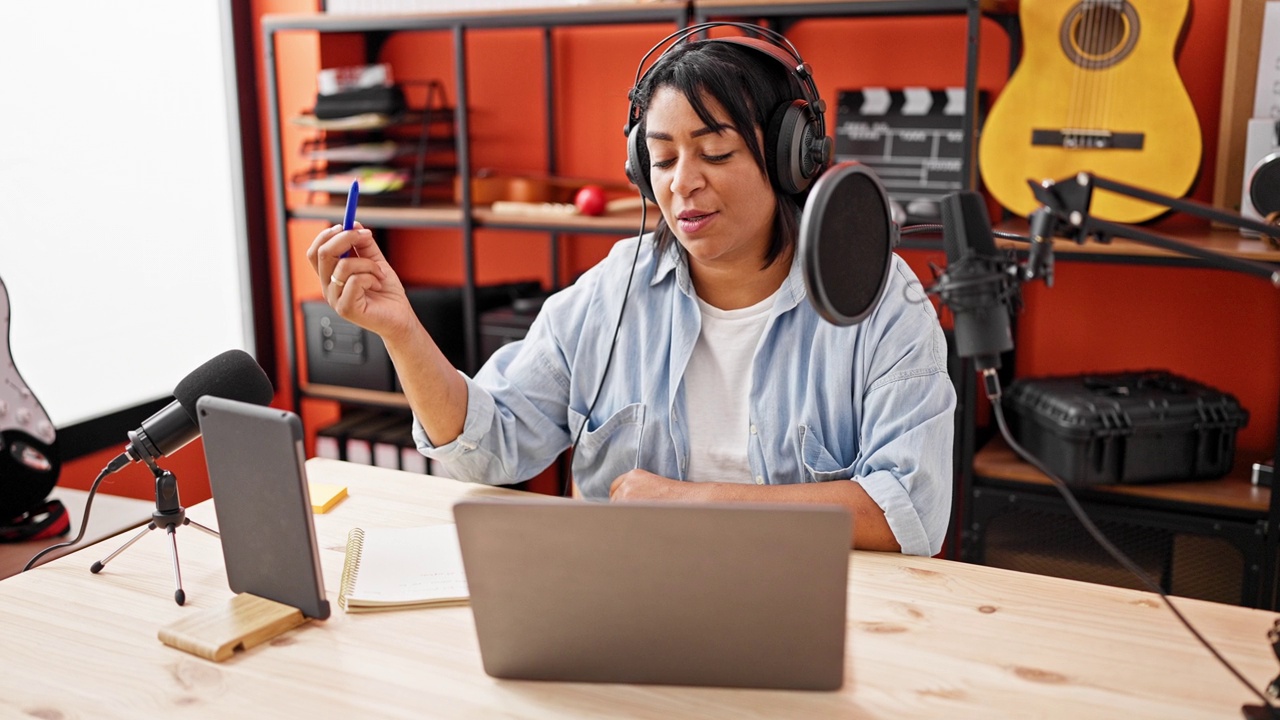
(29, 461)
(1097, 90)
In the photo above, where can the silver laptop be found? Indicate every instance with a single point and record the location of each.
(735, 595)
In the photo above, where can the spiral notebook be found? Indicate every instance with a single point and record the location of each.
(398, 568)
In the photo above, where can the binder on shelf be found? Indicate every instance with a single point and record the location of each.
(413, 461)
(390, 442)
(331, 440)
(394, 447)
(360, 439)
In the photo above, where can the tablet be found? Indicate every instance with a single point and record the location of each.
(255, 459)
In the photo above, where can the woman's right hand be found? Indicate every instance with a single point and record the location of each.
(361, 287)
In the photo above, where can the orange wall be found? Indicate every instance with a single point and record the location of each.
(1217, 327)
(1213, 326)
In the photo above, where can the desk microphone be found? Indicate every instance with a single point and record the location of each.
(979, 283)
(233, 374)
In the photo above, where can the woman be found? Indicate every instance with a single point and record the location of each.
(723, 383)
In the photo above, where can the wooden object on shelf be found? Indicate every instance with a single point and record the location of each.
(488, 187)
(1105, 104)
(511, 207)
(1239, 77)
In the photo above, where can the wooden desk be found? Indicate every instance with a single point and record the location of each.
(111, 514)
(927, 638)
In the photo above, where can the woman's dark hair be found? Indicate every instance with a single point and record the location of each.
(749, 86)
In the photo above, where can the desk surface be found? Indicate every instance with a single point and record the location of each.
(110, 514)
(926, 638)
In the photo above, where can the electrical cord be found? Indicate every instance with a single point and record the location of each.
(114, 466)
(613, 344)
(992, 383)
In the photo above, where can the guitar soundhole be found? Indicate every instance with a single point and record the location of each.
(1097, 35)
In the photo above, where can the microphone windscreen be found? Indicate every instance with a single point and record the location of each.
(233, 374)
(846, 243)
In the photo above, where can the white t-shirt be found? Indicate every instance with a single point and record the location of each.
(717, 383)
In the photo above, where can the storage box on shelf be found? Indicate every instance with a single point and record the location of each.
(1147, 426)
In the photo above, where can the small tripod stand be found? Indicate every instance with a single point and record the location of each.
(169, 515)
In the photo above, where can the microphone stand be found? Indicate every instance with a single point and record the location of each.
(169, 515)
(1065, 213)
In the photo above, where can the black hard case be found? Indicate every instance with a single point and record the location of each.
(1131, 427)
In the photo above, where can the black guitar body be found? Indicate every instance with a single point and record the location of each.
(29, 461)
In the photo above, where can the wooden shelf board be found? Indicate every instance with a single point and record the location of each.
(855, 7)
(355, 395)
(381, 216)
(1221, 240)
(568, 13)
(623, 224)
(997, 461)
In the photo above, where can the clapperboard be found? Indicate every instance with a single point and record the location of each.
(912, 138)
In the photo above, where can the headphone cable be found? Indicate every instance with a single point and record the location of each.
(567, 491)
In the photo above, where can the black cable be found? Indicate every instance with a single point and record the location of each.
(993, 394)
(119, 462)
(613, 344)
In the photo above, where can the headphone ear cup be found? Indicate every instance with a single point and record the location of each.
(637, 167)
(794, 148)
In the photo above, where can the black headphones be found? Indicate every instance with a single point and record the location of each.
(796, 147)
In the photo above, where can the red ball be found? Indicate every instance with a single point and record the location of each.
(590, 200)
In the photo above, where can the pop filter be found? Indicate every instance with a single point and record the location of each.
(847, 236)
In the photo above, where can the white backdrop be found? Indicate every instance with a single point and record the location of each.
(121, 208)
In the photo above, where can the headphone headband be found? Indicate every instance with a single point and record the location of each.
(774, 44)
(796, 149)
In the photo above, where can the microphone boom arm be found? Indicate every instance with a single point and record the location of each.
(1065, 213)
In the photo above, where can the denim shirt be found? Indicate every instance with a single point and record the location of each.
(871, 403)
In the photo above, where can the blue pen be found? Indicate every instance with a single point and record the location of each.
(349, 218)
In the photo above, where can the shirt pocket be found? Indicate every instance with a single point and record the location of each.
(819, 464)
(607, 451)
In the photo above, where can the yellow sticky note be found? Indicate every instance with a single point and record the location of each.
(325, 496)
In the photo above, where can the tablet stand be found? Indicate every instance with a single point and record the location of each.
(245, 621)
(169, 514)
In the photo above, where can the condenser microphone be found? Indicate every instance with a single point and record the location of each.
(847, 236)
(979, 282)
(233, 374)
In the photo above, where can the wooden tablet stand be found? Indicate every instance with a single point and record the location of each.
(245, 621)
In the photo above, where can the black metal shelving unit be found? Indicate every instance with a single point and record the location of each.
(460, 217)
(465, 217)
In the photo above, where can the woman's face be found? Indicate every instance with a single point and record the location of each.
(712, 193)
